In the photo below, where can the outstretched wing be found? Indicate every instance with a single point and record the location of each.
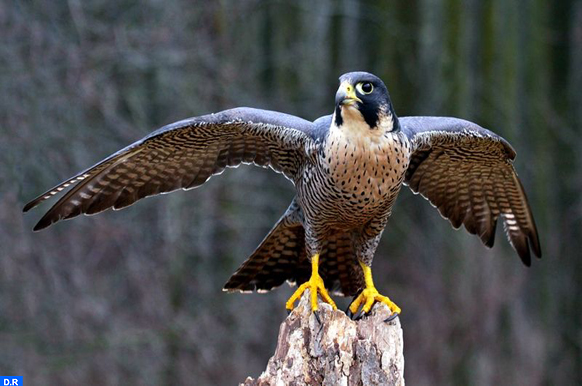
(467, 173)
(182, 155)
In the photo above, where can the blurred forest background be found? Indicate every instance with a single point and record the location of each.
(134, 297)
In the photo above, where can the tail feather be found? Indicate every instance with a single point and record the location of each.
(282, 256)
(277, 259)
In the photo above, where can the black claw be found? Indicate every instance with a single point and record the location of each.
(316, 313)
(359, 314)
(288, 311)
(349, 312)
(391, 317)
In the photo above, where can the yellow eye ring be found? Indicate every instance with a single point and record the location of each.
(365, 88)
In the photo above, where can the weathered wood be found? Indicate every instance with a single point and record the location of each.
(337, 351)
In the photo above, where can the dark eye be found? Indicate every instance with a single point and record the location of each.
(365, 87)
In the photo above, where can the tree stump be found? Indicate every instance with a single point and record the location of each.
(337, 351)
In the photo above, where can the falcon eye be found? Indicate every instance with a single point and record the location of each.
(365, 87)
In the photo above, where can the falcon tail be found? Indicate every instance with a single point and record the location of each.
(282, 257)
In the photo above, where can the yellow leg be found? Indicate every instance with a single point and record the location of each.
(370, 295)
(315, 285)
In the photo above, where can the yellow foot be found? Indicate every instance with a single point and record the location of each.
(368, 297)
(315, 285)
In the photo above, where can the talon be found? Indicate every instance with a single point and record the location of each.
(391, 317)
(349, 313)
(316, 314)
(315, 285)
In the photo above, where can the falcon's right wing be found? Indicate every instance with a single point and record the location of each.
(183, 155)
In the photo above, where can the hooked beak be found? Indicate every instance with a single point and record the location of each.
(346, 95)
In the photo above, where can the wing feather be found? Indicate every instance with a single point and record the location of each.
(182, 155)
(467, 173)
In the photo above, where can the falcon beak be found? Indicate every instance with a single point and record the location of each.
(346, 95)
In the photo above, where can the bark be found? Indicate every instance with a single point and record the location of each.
(337, 351)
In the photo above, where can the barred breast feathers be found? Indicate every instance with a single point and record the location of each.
(364, 161)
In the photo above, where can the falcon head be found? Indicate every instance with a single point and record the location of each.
(363, 98)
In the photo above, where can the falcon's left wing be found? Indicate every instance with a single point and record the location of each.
(467, 173)
(183, 155)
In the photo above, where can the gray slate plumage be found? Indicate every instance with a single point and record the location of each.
(346, 187)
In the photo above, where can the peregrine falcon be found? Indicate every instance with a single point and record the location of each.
(347, 169)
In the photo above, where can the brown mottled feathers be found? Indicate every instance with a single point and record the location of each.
(467, 173)
(182, 155)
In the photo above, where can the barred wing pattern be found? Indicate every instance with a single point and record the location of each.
(183, 155)
(467, 173)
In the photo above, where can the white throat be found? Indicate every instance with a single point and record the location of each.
(354, 127)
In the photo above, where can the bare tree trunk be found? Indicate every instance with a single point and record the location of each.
(337, 351)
